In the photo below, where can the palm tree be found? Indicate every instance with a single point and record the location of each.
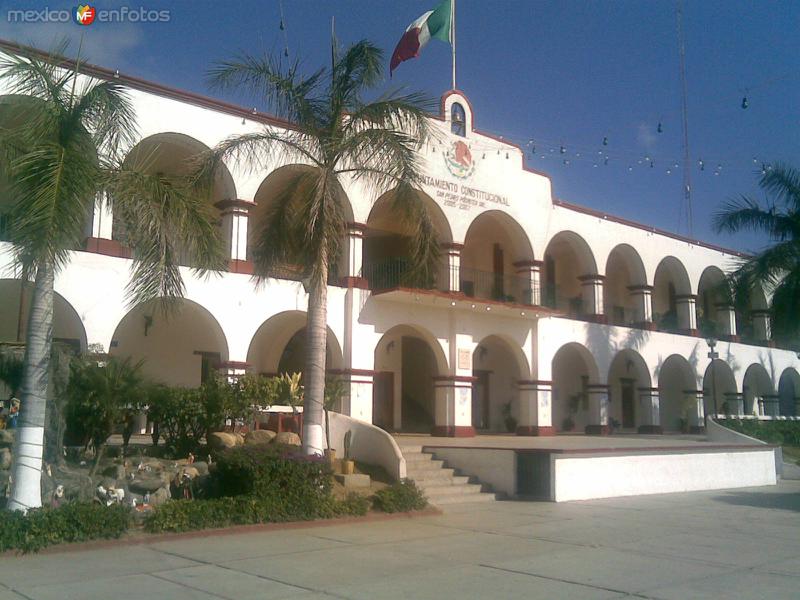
(340, 135)
(61, 144)
(776, 268)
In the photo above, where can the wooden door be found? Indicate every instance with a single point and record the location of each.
(383, 400)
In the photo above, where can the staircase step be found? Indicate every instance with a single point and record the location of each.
(406, 450)
(442, 499)
(463, 489)
(441, 479)
(424, 465)
(425, 473)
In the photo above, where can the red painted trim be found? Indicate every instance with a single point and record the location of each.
(597, 386)
(453, 431)
(639, 450)
(234, 364)
(235, 203)
(356, 226)
(107, 247)
(241, 266)
(640, 288)
(637, 225)
(731, 338)
(357, 372)
(591, 278)
(452, 246)
(527, 263)
(648, 389)
(680, 297)
(456, 378)
(354, 282)
(650, 429)
(599, 319)
(597, 430)
(759, 312)
(645, 325)
(541, 382)
(537, 430)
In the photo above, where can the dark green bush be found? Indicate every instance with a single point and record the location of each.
(76, 522)
(784, 433)
(400, 497)
(272, 472)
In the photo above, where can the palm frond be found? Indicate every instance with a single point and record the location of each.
(105, 109)
(784, 183)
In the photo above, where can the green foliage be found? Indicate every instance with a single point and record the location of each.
(781, 433)
(98, 396)
(289, 390)
(403, 496)
(11, 367)
(273, 472)
(77, 522)
(252, 389)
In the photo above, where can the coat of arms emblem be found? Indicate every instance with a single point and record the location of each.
(459, 161)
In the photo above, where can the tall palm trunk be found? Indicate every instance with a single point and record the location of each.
(314, 372)
(26, 492)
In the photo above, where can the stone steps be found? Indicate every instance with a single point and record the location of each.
(440, 483)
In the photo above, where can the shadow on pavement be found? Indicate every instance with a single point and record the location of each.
(783, 501)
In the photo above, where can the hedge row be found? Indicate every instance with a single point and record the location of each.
(782, 433)
(78, 522)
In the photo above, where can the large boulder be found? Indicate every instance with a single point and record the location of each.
(160, 496)
(145, 485)
(77, 484)
(6, 438)
(115, 472)
(289, 438)
(219, 440)
(201, 466)
(259, 436)
(5, 459)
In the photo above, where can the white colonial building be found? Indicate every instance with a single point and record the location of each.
(546, 316)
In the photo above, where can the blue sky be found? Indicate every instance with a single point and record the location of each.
(566, 72)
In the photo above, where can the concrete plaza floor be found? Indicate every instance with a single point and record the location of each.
(741, 543)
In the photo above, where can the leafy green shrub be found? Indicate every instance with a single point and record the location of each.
(784, 433)
(77, 522)
(272, 472)
(400, 497)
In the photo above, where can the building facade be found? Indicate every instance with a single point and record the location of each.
(544, 317)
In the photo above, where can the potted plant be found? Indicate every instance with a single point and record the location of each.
(348, 465)
(290, 393)
(510, 421)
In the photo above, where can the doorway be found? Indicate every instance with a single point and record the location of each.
(480, 400)
(383, 400)
(628, 403)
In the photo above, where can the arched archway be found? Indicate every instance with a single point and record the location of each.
(15, 299)
(173, 155)
(279, 345)
(498, 365)
(388, 243)
(494, 244)
(181, 347)
(628, 380)
(713, 301)
(677, 385)
(288, 185)
(574, 369)
(568, 260)
(407, 358)
(624, 270)
(670, 285)
(758, 392)
(789, 392)
(719, 384)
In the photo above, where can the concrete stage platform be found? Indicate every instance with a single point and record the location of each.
(581, 467)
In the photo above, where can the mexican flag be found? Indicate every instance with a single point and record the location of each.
(433, 24)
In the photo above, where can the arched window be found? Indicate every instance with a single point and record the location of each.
(458, 120)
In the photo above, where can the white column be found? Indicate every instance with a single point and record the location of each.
(650, 409)
(598, 408)
(235, 215)
(696, 410)
(102, 218)
(643, 298)
(592, 288)
(761, 325)
(687, 312)
(453, 266)
(529, 275)
(535, 408)
(355, 249)
(453, 414)
(726, 319)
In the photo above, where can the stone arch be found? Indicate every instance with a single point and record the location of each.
(573, 369)
(677, 383)
(68, 327)
(758, 391)
(628, 381)
(624, 270)
(498, 364)
(278, 345)
(495, 245)
(567, 259)
(670, 283)
(387, 244)
(712, 296)
(407, 358)
(719, 383)
(789, 392)
(182, 346)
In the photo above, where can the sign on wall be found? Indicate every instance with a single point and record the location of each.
(464, 358)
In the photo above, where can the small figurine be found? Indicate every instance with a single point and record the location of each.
(190, 458)
(58, 496)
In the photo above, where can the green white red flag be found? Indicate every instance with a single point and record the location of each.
(436, 23)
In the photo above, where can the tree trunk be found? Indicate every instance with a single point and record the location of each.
(314, 372)
(26, 492)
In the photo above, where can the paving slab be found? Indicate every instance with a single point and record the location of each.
(129, 587)
(220, 582)
(733, 586)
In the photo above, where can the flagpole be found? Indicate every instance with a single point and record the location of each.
(453, 36)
